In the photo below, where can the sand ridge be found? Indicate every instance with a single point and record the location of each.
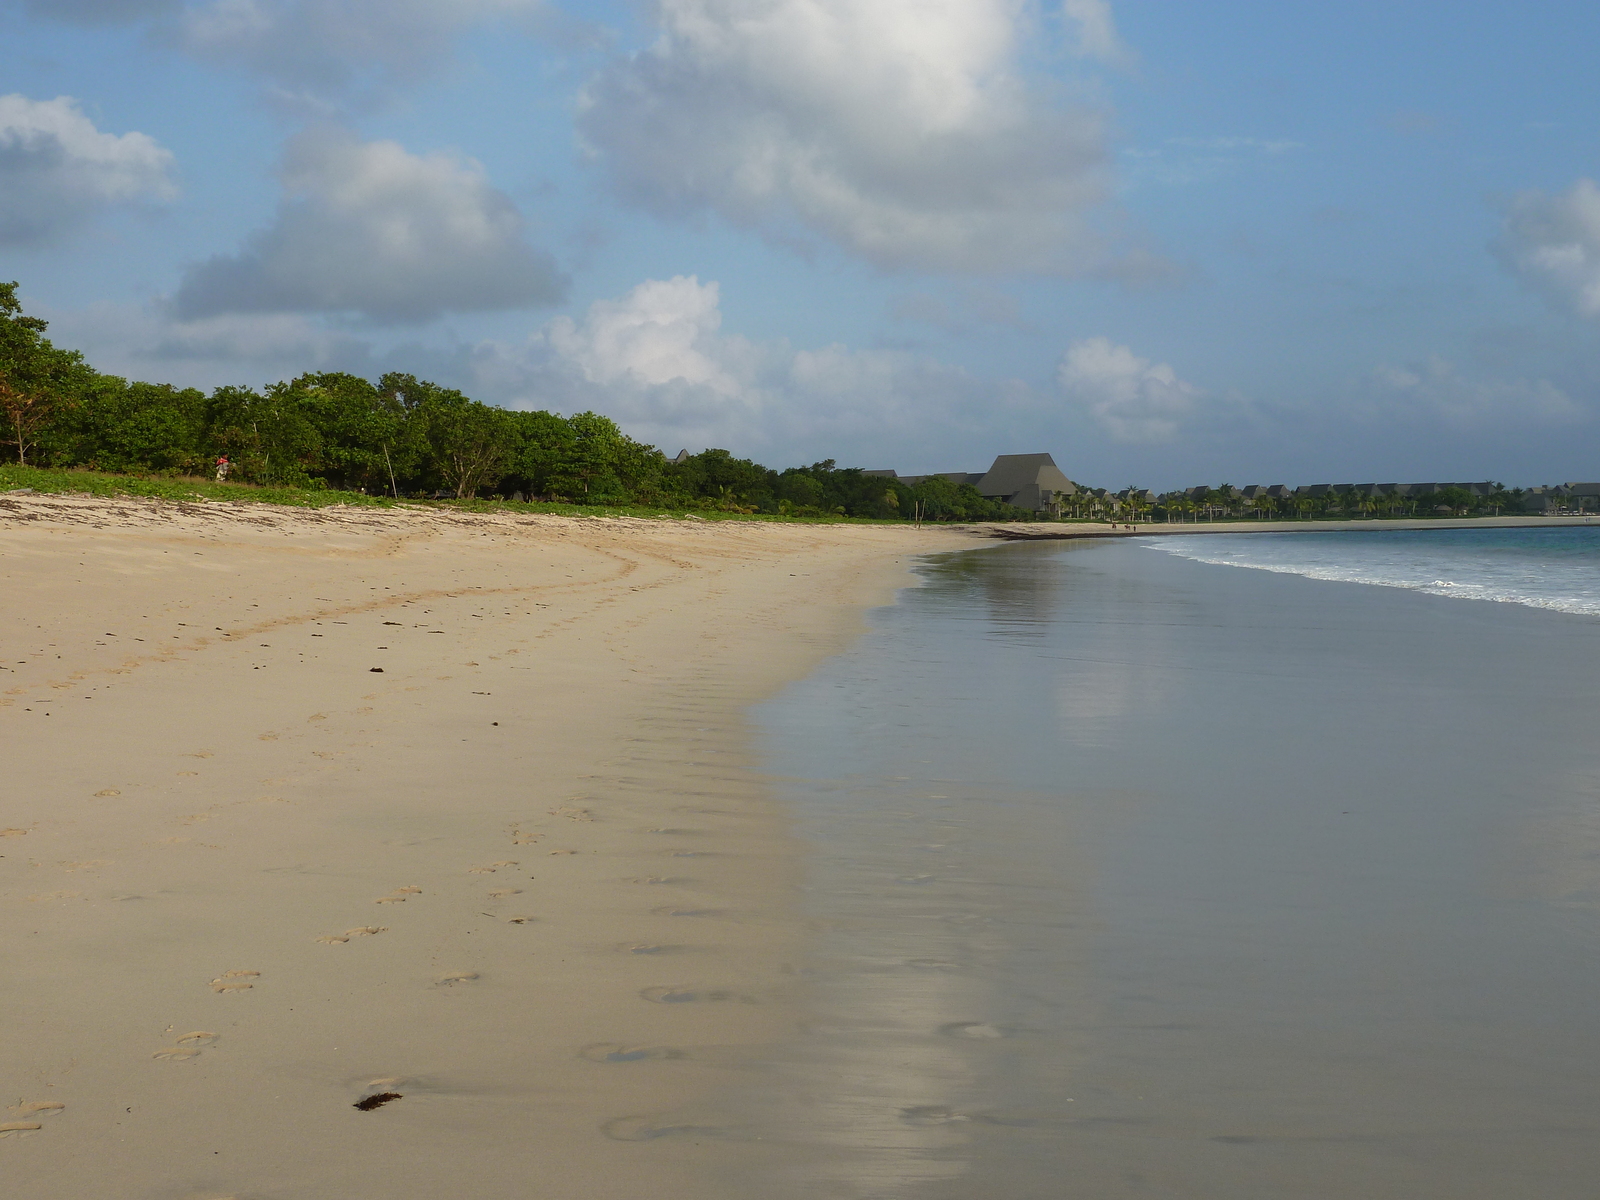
(395, 853)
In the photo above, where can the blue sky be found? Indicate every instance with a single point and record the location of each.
(1171, 244)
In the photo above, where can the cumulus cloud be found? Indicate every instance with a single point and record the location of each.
(145, 341)
(367, 228)
(316, 55)
(657, 360)
(317, 51)
(1434, 390)
(1131, 398)
(1096, 30)
(57, 170)
(1552, 243)
(902, 130)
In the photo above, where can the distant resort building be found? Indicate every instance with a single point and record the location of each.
(1034, 482)
(1562, 498)
(1030, 481)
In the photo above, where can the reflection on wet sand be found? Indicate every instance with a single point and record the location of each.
(911, 1040)
(1134, 877)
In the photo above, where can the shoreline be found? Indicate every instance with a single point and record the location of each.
(1045, 532)
(316, 805)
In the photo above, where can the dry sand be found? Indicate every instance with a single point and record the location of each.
(302, 808)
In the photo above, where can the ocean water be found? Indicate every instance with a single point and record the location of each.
(1556, 568)
(1138, 876)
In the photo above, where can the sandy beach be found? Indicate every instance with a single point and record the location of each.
(307, 809)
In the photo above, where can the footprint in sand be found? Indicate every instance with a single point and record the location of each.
(451, 978)
(13, 833)
(678, 995)
(7, 1128)
(615, 1052)
(490, 869)
(186, 1048)
(231, 982)
(572, 814)
(648, 1129)
(502, 893)
(523, 837)
(358, 931)
(678, 910)
(977, 1031)
(650, 948)
(31, 1111)
(521, 920)
(399, 895)
(109, 792)
(931, 1114)
(672, 879)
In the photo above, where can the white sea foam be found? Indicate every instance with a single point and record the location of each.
(1556, 569)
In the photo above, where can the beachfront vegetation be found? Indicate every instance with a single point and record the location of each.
(344, 437)
(1339, 502)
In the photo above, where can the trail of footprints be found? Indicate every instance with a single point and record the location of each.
(188, 1047)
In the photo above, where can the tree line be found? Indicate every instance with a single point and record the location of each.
(1339, 501)
(405, 437)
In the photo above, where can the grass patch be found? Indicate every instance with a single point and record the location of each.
(191, 490)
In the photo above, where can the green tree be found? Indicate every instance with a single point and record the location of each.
(122, 426)
(356, 426)
(269, 437)
(1458, 500)
(37, 381)
(472, 444)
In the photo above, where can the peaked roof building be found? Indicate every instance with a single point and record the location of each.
(1031, 481)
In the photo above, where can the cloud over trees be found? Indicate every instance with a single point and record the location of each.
(370, 229)
(1130, 398)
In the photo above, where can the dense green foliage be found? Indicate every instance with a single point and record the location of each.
(402, 437)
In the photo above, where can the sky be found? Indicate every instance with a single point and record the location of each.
(1171, 244)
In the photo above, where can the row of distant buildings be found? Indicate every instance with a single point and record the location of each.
(1034, 482)
(1563, 497)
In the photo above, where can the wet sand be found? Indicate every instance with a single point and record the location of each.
(303, 810)
(1138, 877)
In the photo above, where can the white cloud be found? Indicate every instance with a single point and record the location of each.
(661, 332)
(1096, 30)
(1434, 390)
(318, 51)
(144, 341)
(657, 360)
(315, 54)
(902, 130)
(1131, 398)
(1552, 243)
(57, 170)
(365, 227)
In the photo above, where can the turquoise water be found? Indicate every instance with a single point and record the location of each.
(1137, 876)
(1556, 568)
